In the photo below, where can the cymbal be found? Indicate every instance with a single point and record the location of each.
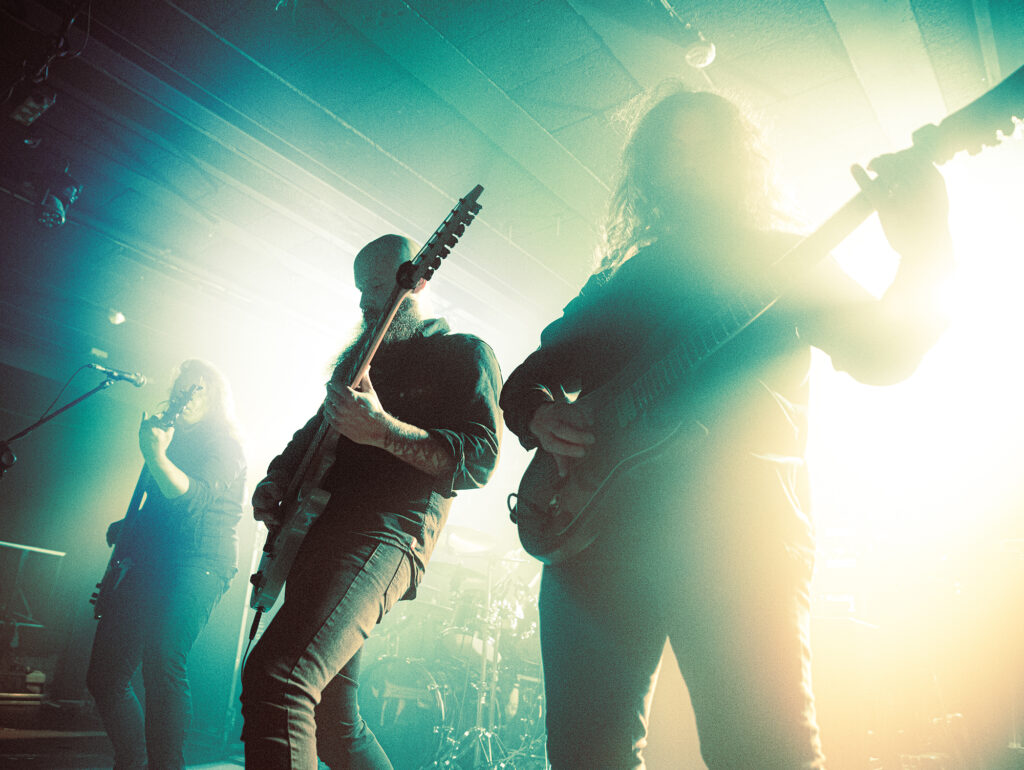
(466, 540)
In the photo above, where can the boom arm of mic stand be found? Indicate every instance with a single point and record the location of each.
(5, 448)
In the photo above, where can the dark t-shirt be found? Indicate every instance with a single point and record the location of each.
(446, 384)
(200, 526)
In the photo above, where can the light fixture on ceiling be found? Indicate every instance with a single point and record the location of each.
(699, 52)
(59, 192)
(30, 94)
(32, 102)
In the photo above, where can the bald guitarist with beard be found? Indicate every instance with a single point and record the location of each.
(423, 423)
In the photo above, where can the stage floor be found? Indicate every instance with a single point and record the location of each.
(48, 749)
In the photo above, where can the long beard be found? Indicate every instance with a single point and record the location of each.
(403, 326)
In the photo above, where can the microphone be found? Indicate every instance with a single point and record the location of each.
(134, 378)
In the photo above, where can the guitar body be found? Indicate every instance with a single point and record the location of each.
(298, 515)
(117, 568)
(559, 517)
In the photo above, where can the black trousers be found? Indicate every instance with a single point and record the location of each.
(714, 567)
(153, 621)
(300, 684)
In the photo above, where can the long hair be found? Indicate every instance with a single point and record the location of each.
(220, 403)
(637, 213)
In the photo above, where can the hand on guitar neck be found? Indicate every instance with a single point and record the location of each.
(154, 438)
(562, 428)
(352, 412)
(910, 196)
(114, 532)
(356, 413)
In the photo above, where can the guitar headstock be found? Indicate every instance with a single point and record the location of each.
(985, 122)
(440, 244)
(178, 401)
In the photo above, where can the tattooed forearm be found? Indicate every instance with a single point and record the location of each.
(418, 448)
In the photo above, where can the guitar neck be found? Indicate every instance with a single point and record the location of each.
(669, 372)
(361, 365)
(351, 376)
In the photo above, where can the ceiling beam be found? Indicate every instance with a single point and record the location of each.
(888, 54)
(987, 41)
(400, 32)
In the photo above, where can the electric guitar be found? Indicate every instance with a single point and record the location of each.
(638, 414)
(120, 560)
(305, 498)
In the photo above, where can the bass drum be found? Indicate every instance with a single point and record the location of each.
(405, 707)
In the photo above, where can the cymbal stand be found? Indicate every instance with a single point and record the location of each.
(478, 722)
(487, 748)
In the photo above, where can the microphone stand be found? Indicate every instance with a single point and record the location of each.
(7, 458)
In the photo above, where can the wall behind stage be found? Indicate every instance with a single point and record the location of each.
(73, 476)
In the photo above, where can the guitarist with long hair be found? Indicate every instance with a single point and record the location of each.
(423, 423)
(708, 542)
(175, 552)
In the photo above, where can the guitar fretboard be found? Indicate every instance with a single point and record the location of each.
(669, 372)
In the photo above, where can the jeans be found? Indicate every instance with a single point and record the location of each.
(153, 620)
(299, 686)
(733, 601)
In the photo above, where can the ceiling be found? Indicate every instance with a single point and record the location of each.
(234, 155)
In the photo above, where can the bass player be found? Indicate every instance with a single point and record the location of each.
(177, 550)
(710, 546)
(421, 424)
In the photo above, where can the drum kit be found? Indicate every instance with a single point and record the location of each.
(456, 680)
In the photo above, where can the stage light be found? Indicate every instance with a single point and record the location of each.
(60, 191)
(939, 454)
(34, 102)
(116, 317)
(699, 52)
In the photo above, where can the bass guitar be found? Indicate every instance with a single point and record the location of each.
(305, 497)
(120, 560)
(638, 414)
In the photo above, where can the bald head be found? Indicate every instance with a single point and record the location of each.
(391, 250)
(375, 267)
